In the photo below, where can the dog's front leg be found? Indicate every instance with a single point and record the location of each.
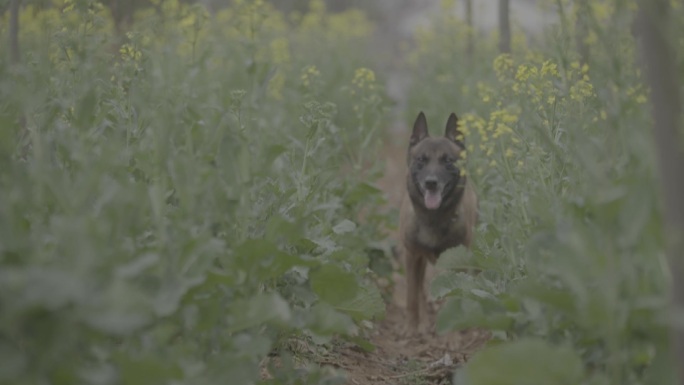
(415, 276)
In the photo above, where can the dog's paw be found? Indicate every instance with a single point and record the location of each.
(408, 331)
(412, 332)
(423, 329)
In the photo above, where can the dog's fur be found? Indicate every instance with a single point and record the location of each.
(439, 210)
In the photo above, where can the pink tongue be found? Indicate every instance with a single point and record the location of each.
(432, 199)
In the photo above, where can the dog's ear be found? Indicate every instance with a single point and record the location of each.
(420, 129)
(453, 133)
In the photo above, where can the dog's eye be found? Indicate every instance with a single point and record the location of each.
(422, 159)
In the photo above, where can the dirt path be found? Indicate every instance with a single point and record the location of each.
(397, 359)
(429, 358)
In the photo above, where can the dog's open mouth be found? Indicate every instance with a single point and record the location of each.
(433, 198)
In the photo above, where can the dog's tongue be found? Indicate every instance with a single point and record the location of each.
(432, 199)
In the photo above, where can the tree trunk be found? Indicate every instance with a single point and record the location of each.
(504, 26)
(122, 14)
(582, 30)
(470, 43)
(658, 56)
(14, 31)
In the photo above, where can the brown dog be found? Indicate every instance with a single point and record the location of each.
(441, 209)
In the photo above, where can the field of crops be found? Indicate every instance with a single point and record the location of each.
(193, 197)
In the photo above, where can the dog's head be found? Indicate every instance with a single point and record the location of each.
(435, 176)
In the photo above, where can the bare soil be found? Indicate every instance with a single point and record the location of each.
(399, 358)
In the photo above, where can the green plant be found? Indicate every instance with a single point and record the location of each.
(174, 205)
(569, 244)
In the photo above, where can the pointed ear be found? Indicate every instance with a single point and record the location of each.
(452, 132)
(420, 129)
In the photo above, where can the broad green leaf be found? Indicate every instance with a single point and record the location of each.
(326, 244)
(169, 296)
(561, 300)
(258, 310)
(64, 375)
(333, 284)
(367, 304)
(50, 288)
(255, 250)
(345, 226)
(207, 314)
(452, 283)
(14, 362)
(233, 369)
(278, 228)
(362, 192)
(156, 196)
(265, 260)
(463, 313)
(456, 258)
(133, 268)
(379, 262)
(121, 310)
(252, 346)
(326, 320)
(526, 361)
(363, 343)
(482, 294)
(274, 151)
(146, 370)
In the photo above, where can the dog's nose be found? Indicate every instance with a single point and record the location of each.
(431, 183)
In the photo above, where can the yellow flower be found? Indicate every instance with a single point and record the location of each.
(276, 85)
(503, 64)
(501, 129)
(484, 91)
(364, 78)
(309, 75)
(581, 90)
(280, 50)
(129, 52)
(549, 68)
(591, 38)
(447, 5)
(523, 73)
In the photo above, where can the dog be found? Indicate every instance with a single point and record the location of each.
(439, 209)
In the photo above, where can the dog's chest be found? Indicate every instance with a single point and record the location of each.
(439, 236)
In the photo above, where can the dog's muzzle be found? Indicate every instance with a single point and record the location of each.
(432, 193)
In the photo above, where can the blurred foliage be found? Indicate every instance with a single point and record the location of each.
(177, 203)
(186, 195)
(569, 243)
